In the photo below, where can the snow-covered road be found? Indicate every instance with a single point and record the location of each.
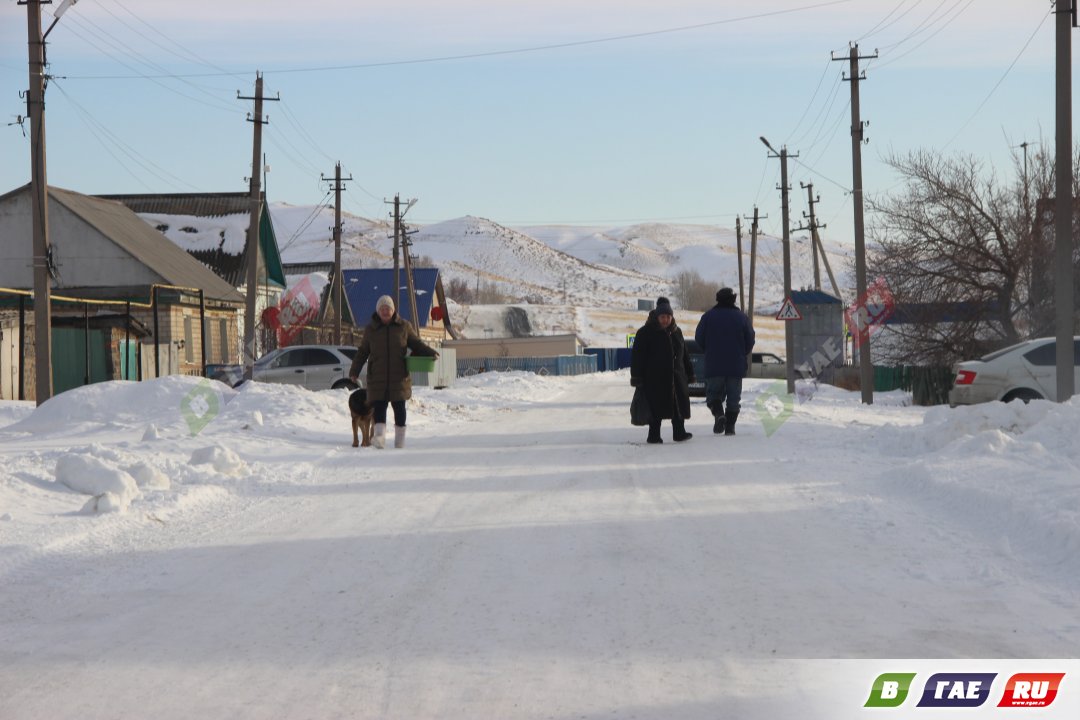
(525, 556)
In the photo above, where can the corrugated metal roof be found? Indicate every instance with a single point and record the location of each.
(197, 204)
(130, 232)
(364, 287)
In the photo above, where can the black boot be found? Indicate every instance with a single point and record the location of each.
(678, 425)
(717, 410)
(654, 433)
(729, 421)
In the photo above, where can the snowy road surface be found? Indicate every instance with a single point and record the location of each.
(525, 556)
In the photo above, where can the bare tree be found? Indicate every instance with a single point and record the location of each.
(955, 246)
(692, 292)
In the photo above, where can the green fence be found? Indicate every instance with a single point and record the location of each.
(927, 385)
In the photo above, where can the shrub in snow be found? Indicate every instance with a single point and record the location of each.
(113, 489)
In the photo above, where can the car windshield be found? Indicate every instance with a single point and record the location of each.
(268, 358)
(349, 352)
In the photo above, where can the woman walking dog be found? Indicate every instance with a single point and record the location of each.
(383, 346)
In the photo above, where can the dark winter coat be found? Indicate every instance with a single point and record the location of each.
(660, 364)
(383, 349)
(725, 334)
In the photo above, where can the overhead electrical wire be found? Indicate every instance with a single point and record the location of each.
(515, 51)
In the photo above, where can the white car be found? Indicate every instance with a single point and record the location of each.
(315, 367)
(1025, 371)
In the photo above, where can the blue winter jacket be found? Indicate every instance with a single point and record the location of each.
(726, 336)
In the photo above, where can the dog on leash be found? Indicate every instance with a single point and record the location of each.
(362, 417)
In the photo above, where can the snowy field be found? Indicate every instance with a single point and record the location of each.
(178, 549)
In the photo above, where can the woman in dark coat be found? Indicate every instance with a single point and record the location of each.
(661, 366)
(383, 346)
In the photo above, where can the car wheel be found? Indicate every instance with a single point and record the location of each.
(345, 384)
(1024, 395)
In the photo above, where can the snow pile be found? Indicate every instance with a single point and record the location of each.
(112, 489)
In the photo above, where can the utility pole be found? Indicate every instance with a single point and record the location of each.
(406, 244)
(866, 368)
(1064, 300)
(252, 249)
(812, 227)
(738, 250)
(789, 337)
(39, 191)
(399, 214)
(753, 262)
(339, 278)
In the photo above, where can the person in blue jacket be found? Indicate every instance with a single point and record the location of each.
(727, 337)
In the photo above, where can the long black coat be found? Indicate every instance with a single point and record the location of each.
(660, 364)
(383, 349)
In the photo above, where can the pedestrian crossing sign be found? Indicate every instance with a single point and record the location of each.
(788, 311)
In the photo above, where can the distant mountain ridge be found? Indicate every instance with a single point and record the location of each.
(572, 265)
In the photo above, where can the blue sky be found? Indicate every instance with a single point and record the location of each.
(645, 110)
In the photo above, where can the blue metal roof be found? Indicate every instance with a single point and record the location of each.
(363, 288)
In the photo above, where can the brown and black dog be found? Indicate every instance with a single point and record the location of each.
(362, 415)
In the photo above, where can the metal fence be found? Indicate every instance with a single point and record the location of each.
(557, 365)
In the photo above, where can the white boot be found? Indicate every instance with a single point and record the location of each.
(378, 438)
(399, 436)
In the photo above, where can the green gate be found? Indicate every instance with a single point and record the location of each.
(69, 358)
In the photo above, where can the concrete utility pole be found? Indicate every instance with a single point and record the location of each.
(866, 368)
(39, 191)
(339, 278)
(738, 250)
(1064, 301)
(252, 247)
(789, 337)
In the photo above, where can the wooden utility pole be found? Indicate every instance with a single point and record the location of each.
(252, 248)
(338, 281)
(812, 227)
(789, 336)
(1064, 284)
(738, 250)
(39, 207)
(753, 262)
(866, 368)
(397, 246)
(410, 285)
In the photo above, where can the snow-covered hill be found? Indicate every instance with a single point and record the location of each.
(568, 265)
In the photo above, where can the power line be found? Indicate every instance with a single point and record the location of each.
(497, 53)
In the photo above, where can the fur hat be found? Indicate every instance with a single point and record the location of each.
(725, 296)
(384, 300)
(663, 307)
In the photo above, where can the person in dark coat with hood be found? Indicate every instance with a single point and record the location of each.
(660, 365)
(383, 346)
(727, 337)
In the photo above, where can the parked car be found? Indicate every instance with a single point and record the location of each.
(762, 365)
(1025, 371)
(315, 367)
(767, 365)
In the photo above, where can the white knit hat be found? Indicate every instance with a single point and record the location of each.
(384, 300)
